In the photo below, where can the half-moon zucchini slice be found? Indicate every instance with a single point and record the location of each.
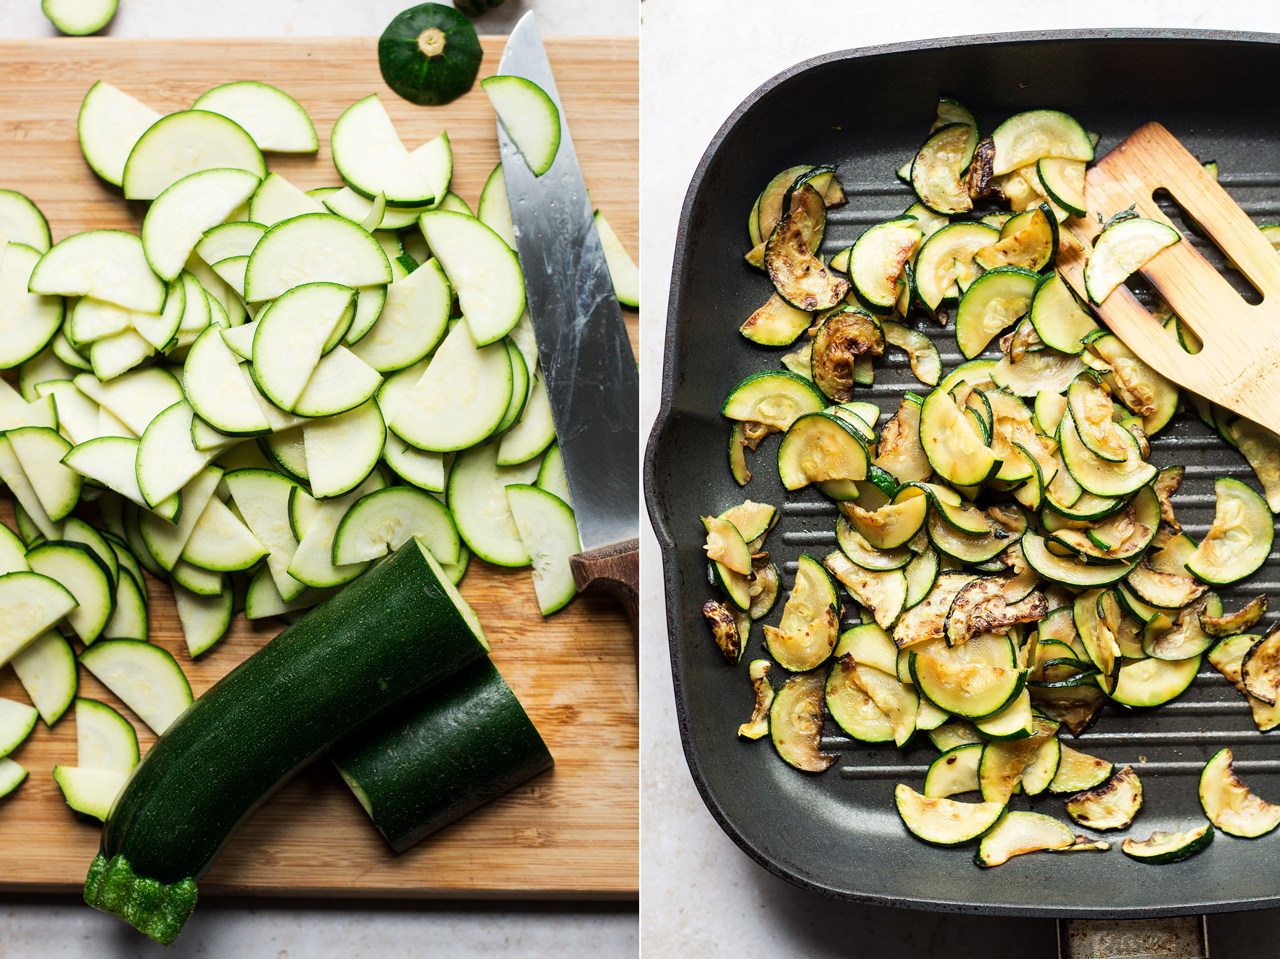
(944, 822)
(1165, 847)
(1230, 805)
(795, 722)
(1109, 806)
(1018, 833)
(1240, 539)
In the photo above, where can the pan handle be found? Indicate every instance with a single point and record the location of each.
(1172, 937)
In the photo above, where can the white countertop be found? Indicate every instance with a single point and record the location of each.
(701, 895)
(62, 928)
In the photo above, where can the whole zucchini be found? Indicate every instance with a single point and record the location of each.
(398, 628)
(440, 754)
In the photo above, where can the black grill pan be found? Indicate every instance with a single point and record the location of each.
(867, 111)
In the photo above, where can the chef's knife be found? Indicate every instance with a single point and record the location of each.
(587, 363)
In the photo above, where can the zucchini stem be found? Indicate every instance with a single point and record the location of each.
(431, 42)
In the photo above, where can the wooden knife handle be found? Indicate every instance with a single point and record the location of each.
(615, 569)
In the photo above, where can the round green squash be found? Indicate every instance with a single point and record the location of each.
(430, 54)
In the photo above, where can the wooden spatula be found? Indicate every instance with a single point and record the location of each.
(1239, 367)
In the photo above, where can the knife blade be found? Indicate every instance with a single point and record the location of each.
(587, 364)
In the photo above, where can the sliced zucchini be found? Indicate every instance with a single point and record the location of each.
(866, 556)
(938, 171)
(1037, 370)
(1063, 180)
(1165, 847)
(146, 678)
(724, 629)
(758, 725)
(804, 646)
(981, 606)
(1091, 412)
(852, 709)
(883, 593)
(752, 520)
(1025, 138)
(1162, 580)
(46, 667)
(944, 822)
(1140, 388)
(926, 364)
(185, 143)
(1217, 625)
(1261, 448)
(893, 524)
(795, 722)
(1228, 802)
(1099, 476)
(1109, 806)
(1120, 250)
(995, 301)
(109, 125)
(952, 442)
(1240, 539)
(844, 341)
(899, 451)
(1078, 771)
(1004, 761)
(946, 256)
(796, 273)
(1259, 669)
(1042, 767)
(777, 323)
(953, 772)
(1015, 721)
(1028, 240)
(1226, 657)
(1061, 320)
(275, 120)
(876, 260)
(1018, 833)
(773, 399)
(926, 619)
(820, 447)
(1184, 637)
(968, 689)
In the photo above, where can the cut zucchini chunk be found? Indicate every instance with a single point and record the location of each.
(71, 268)
(16, 722)
(1109, 806)
(1140, 388)
(229, 239)
(726, 545)
(926, 619)
(1165, 847)
(757, 726)
(852, 708)
(803, 646)
(820, 447)
(220, 542)
(1003, 762)
(135, 398)
(1228, 802)
(30, 603)
(843, 341)
(167, 460)
(109, 124)
(146, 678)
(926, 364)
(482, 270)
(536, 429)
(946, 257)
(1260, 669)
(893, 524)
(478, 502)
(954, 445)
(1025, 138)
(622, 269)
(789, 257)
(883, 592)
(22, 222)
(529, 116)
(342, 450)
(1184, 637)
(898, 701)
(46, 668)
(28, 320)
(1261, 448)
(1078, 771)
(340, 382)
(204, 619)
(413, 320)
(371, 159)
(89, 791)
(179, 217)
(995, 301)
(1037, 370)
(1091, 413)
(40, 450)
(1063, 180)
(777, 323)
(1217, 625)
(944, 822)
(1042, 767)
(869, 645)
(104, 739)
(876, 261)
(185, 143)
(1028, 240)
(898, 451)
(937, 173)
(752, 520)
(1061, 320)
(954, 734)
(971, 689)
(275, 120)
(32, 520)
(724, 629)
(85, 576)
(315, 247)
(795, 722)
(981, 606)
(1123, 248)
(1240, 539)
(1018, 833)
(1099, 476)
(386, 519)
(955, 771)
(774, 399)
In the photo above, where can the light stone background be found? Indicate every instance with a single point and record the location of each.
(61, 928)
(701, 895)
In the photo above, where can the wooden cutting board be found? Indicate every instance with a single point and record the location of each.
(571, 832)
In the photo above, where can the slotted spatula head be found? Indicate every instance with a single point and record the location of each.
(1239, 367)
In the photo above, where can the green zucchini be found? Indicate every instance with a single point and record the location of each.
(314, 683)
(441, 754)
(430, 54)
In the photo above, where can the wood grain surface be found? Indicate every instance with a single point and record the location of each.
(571, 832)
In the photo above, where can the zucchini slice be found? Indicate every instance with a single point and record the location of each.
(1240, 539)
(926, 364)
(1028, 240)
(954, 734)
(1184, 637)
(1165, 847)
(1063, 180)
(1025, 138)
(46, 668)
(898, 451)
(926, 619)
(1091, 413)
(1162, 581)
(995, 301)
(1121, 249)
(146, 678)
(1079, 771)
(185, 143)
(1061, 320)
(109, 125)
(944, 822)
(1140, 388)
(1261, 448)
(893, 524)
(724, 629)
(1109, 806)
(1226, 658)
(883, 593)
(1099, 476)
(774, 399)
(981, 606)
(275, 120)
(955, 771)
(898, 701)
(1018, 833)
(952, 442)
(795, 722)
(876, 260)
(1259, 668)
(777, 323)
(1042, 767)
(843, 339)
(946, 256)
(1004, 761)
(1037, 370)
(757, 726)
(820, 447)
(970, 689)
(1228, 802)
(938, 171)
(1217, 625)
(529, 116)
(789, 257)
(851, 707)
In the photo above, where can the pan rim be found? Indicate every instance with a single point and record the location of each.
(666, 541)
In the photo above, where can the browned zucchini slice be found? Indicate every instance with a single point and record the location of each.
(1004, 761)
(944, 822)
(777, 323)
(1226, 658)
(1028, 240)
(1237, 622)
(1018, 833)
(724, 628)
(893, 524)
(898, 701)
(1183, 637)
(1078, 771)
(737, 454)
(1098, 639)
(937, 173)
(1230, 805)
(1165, 847)
(1240, 539)
(796, 273)
(795, 722)
(981, 607)
(884, 592)
(877, 259)
(899, 451)
(1261, 448)
(1162, 580)
(1260, 669)
(1140, 388)
(927, 619)
(842, 338)
(758, 725)
(853, 710)
(763, 587)
(1109, 806)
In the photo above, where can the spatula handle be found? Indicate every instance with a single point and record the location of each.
(615, 569)
(1170, 937)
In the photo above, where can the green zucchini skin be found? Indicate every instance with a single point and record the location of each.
(440, 754)
(435, 80)
(398, 628)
